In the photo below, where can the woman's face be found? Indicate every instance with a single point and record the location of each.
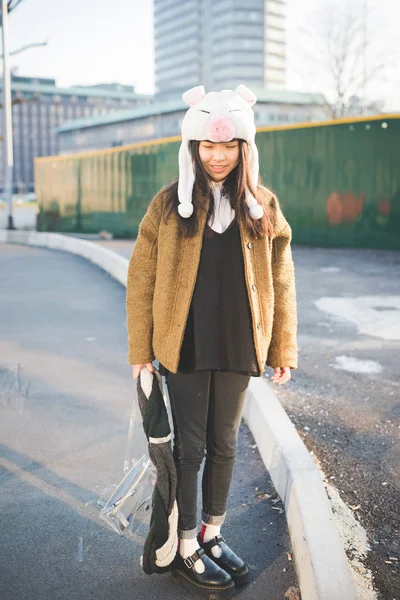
(219, 159)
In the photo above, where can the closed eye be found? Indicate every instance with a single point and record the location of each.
(206, 111)
(236, 109)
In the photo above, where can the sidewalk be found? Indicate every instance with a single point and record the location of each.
(66, 392)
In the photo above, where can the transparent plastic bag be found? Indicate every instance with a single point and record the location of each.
(126, 506)
(129, 506)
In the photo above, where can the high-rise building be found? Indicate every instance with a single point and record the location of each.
(218, 43)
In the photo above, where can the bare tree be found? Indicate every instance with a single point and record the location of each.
(342, 51)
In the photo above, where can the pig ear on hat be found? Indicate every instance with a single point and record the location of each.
(246, 94)
(194, 95)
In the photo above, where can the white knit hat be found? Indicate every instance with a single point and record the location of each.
(217, 117)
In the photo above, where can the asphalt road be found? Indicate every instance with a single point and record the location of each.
(345, 396)
(65, 399)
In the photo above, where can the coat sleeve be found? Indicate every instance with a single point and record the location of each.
(283, 347)
(140, 290)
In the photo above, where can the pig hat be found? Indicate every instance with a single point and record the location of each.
(217, 117)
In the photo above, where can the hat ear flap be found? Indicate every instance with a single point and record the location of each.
(256, 210)
(246, 94)
(186, 181)
(254, 164)
(194, 95)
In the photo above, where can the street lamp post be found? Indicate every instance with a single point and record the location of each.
(7, 118)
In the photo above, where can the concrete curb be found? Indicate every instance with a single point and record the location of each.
(108, 260)
(321, 562)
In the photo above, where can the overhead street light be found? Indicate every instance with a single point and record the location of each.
(14, 52)
(12, 4)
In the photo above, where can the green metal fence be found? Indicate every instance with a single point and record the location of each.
(338, 182)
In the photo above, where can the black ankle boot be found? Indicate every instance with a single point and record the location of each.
(228, 561)
(214, 583)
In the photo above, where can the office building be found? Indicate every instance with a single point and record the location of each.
(218, 43)
(40, 107)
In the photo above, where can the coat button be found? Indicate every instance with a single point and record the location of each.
(254, 287)
(258, 325)
(250, 245)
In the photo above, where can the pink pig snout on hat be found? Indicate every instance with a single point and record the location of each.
(220, 129)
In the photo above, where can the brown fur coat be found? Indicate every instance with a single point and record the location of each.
(161, 278)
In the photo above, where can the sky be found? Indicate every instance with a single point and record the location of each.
(95, 41)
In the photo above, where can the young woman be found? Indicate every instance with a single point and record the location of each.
(211, 296)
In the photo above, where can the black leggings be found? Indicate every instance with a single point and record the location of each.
(206, 409)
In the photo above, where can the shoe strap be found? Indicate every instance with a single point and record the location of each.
(213, 542)
(190, 560)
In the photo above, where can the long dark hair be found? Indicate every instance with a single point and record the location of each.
(235, 185)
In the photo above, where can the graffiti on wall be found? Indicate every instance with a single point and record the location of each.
(349, 207)
(344, 208)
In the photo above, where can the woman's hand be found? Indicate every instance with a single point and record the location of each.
(282, 375)
(138, 368)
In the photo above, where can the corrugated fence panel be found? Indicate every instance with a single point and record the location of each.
(338, 183)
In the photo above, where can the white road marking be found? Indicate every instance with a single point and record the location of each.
(378, 316)
(330, 269)
(80, 549)
(355, 365)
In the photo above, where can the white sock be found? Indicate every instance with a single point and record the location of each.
(210, 532)
(187, 548)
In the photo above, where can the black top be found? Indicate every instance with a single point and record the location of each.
(218, 332)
